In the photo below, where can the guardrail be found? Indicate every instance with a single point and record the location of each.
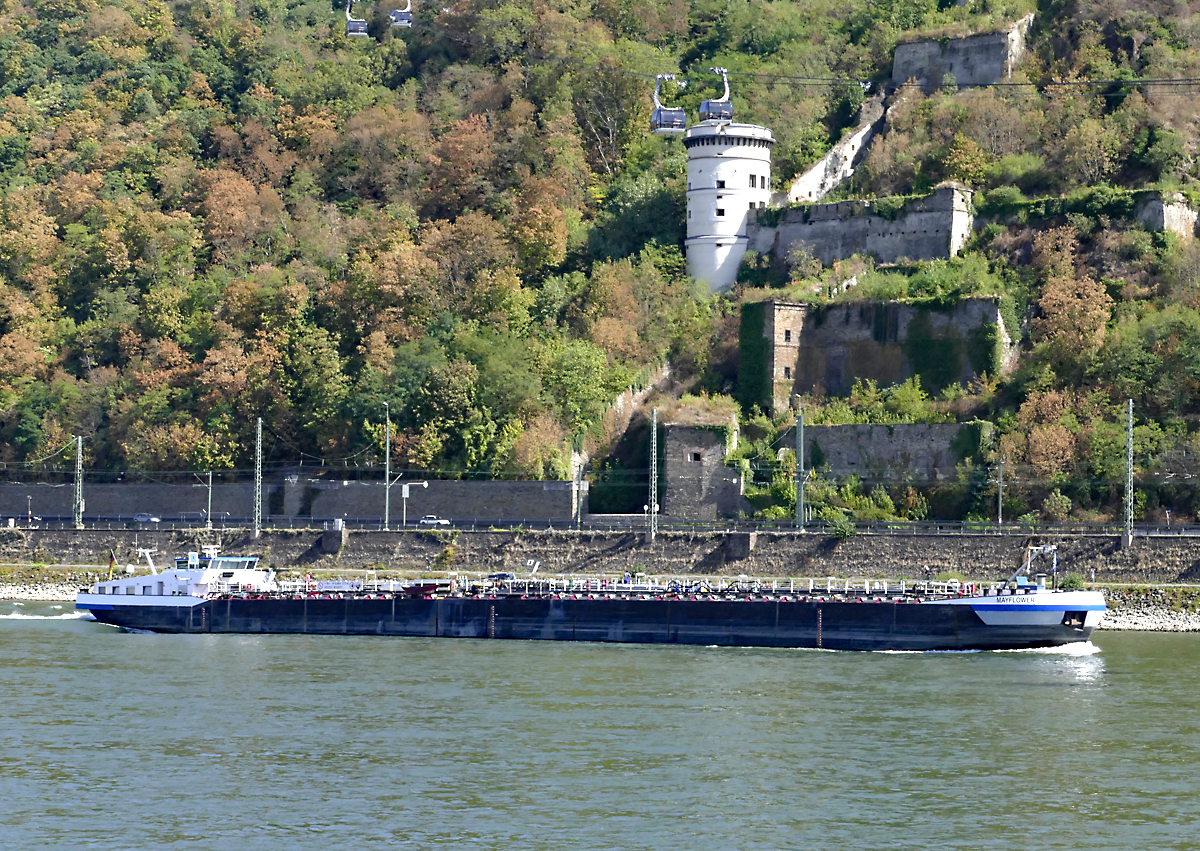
(596, 523)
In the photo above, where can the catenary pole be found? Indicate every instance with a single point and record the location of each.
(1000, 496)
(653, 507)
(78, 481)
(387, 467)
(799, 466)
(258, 479)
(1129, 474)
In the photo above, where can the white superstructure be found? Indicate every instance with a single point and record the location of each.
(729, 174)
(193, 578)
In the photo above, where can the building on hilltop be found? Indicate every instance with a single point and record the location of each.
(728, 175)
(788, 348)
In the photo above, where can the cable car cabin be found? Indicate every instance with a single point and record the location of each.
(667, 119)
(356, 28)
(716, 110)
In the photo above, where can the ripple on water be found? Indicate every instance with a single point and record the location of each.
(361, 742)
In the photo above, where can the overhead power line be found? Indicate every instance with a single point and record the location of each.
(1128, 84)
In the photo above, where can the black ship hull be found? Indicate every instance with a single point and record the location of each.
(814, 624)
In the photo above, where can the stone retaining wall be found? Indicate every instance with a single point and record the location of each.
(301, 497)
(1151, 560)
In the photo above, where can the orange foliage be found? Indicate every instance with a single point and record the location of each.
(459, 167)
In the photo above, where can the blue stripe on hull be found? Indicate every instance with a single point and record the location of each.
(835, 626)
(993, 607)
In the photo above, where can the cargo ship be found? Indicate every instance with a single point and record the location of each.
(212, 593)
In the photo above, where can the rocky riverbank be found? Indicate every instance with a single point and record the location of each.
(49, 591)
(1154, 609)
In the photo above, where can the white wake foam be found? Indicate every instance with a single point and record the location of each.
(69, 616)
(1078, 648)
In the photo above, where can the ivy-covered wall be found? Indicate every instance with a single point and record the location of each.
(754, 358)
(887, 342)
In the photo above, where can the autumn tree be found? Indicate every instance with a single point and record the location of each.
(1073, 309)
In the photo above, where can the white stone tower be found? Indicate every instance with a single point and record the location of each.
(729, 174)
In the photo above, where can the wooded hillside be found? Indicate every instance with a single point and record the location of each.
(214, 210)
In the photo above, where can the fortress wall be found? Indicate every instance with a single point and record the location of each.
(927, 451)
(930, 228)
(825, 349)
(972, 61)
(837, 166)
(1168, 214)
(696, 484)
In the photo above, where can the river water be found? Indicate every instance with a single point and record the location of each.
(121, 740)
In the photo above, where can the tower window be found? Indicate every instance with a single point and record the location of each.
(787, 335)
(721, 211)
(753, 181)
(720, 184)
(694, 457)
(787, 372)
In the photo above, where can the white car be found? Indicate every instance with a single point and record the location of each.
(432, 520)
(143, 517)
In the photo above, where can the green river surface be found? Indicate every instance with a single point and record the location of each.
(125, 740)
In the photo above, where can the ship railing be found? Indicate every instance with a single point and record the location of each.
(641, 585)
(225, 588)
(829, 586)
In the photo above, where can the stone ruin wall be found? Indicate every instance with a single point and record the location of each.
(976, 60)
(824, 350)
(931, 228)
(837, 166)
(1169, 213)
(928, 452)
(696, 485)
